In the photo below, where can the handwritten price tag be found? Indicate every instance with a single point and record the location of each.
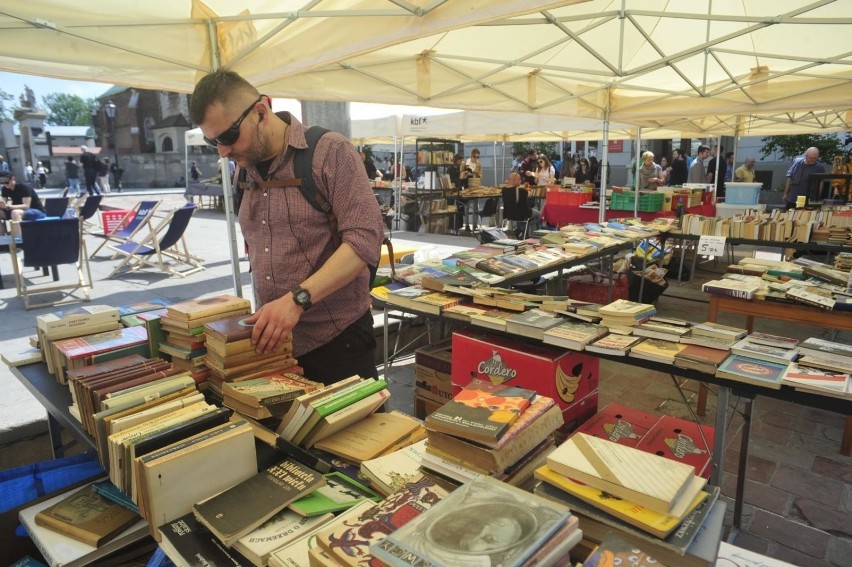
(711, 245)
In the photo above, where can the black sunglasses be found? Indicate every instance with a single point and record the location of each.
(230, 136)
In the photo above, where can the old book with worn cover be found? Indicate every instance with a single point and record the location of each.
(484, 522)
(349, 542)
(658, 350)
(240, 509)
(703, 359)
(653, 481)
(270, 389)
(229, 329)
(390, 472)
(276, 532)
(574, 334)
(369, 437)
(614, 345)
(205, 307)
(87, 516)
(482, 411)
(541, 419)
(752, 371)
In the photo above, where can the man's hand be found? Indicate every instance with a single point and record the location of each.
(273, 323)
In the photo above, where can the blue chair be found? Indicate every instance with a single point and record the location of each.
(55, 206)
(136, 219)
(156, 251)
(90, 207)
(52, 242)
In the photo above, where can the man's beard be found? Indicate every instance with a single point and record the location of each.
(257, 152)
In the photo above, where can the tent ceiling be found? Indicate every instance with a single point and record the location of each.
(694, 66)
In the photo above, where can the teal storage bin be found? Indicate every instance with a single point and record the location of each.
(742, 193)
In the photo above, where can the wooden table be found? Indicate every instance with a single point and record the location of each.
(792, 313)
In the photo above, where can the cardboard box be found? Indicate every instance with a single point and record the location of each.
(110, 220)
(620, 424)
(564, 375)
(424, 406)
(678, 439)
(579, 412)
(432, 372)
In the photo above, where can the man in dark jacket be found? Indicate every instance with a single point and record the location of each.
(90, 170)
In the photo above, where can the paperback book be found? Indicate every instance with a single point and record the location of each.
(752, 371)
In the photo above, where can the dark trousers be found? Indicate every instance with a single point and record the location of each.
(91, 175)
(351, 352)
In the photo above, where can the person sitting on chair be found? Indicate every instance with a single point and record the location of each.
(25, 204)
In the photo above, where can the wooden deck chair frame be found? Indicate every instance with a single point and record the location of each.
(136, 220)
(171, 244)
(54, 234)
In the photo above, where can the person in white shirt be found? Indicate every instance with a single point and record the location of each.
(545, 173)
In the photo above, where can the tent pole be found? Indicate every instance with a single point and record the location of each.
(397, 199)
(604, 167)
(719, 158)
(636, 172)
(494, 153)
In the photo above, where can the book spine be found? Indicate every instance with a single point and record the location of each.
(362, 391)
(728, 291)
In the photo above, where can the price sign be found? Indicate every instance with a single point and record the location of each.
(711, 245)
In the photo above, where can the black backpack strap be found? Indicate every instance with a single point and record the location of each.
(303, 169)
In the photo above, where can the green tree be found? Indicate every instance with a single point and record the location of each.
(5, 111)
(68, 110)
(546, 148)
(792, 146)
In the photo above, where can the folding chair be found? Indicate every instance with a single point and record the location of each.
(55, 206)
(135, 219)
(172, 245)
(90, 207)
(516, 208)
(51, 242)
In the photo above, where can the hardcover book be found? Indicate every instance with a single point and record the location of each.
(832, 351)
(700, 358)
(532, 323)
(614, 345)
(484, 522)
(752, 371)
(87, 516)
(746, 347)
(240, 509)
(229, 329)
(349, 542)
(482, 411)
(206, 307)
(270, 389)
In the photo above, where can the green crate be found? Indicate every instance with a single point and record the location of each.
(648, 202)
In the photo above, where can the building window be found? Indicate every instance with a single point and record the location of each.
(168, 146)
(148, 124)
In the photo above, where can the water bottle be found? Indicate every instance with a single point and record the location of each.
(70, 213)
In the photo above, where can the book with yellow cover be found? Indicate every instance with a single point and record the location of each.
(656, 523)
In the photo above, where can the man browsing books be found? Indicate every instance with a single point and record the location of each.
(304, 282)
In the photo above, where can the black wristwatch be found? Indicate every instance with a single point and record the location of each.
(302, 297)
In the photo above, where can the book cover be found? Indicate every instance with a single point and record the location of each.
(369, 437)
(349, 541)
(206, 307)
(187, 542)
(76, 318)
(828, 350)
(643, 478)
(435, 303)
(747, 348)
(701, 358)
(339, 493)
(278, 531)
(270, 389)
(347, 417)
(532, 323)
(657, 349)
(87, 516)
(482, 411)
(574, 334)
(81, 347)
(403, 297)
(711, 329)
(484, 522)
(153, 304)
(614, 551)
(772, 340)
(817, 380)
(752, 371)
(388, 473)
(229, 329)
(239, 510)
(614, 345)
(626, 308)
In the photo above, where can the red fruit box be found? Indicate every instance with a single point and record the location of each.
(620, 424)
(566, 376)
(679, 440)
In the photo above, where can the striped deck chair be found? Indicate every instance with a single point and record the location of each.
(138, 218)
(161, 251)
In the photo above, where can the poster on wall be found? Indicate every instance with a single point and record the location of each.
(616, 146)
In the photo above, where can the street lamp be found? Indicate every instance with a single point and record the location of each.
(109, 109)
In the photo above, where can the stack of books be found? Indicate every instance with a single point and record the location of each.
(183, 333)
(231, 356)
(656, 503)
(268, 396)
(657, 350)
(75, 322)
(490, 430)
(826, 355)
(772, 348)
(663, 328)
(713, 335)
(318, 414)
(484, 522)
(574, 335)
(732, 288)
(625, 313)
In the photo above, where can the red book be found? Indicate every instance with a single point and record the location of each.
(619, 424)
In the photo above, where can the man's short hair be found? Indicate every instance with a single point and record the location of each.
(703, 149)
(218, 86)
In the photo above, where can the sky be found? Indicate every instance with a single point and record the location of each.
(14, 83)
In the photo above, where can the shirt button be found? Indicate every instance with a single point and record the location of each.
(266, 194)
(268, 277)
(266, 249)
(263, 222)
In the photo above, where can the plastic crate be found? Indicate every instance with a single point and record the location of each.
(648, 202)
(742, 193)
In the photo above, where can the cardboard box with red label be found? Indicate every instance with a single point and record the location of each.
(568, 377)
(679, 439)
(619, 424)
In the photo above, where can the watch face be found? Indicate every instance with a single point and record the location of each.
(302, 297)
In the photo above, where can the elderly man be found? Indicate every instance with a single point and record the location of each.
(745, 172)
(798, 174)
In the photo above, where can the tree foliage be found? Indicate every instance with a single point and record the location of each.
(547, 148)
(792, 146)
(5, 110)
(68, 109)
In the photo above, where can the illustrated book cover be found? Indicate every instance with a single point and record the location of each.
(752, 371)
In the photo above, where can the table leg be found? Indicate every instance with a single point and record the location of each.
(712, 313)
(743, 465)
(846, 442)
(719, 436)
(54, 431)
(385, 331)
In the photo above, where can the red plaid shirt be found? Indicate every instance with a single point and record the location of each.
(288, 240)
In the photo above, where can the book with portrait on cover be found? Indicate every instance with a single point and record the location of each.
(483, 522)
